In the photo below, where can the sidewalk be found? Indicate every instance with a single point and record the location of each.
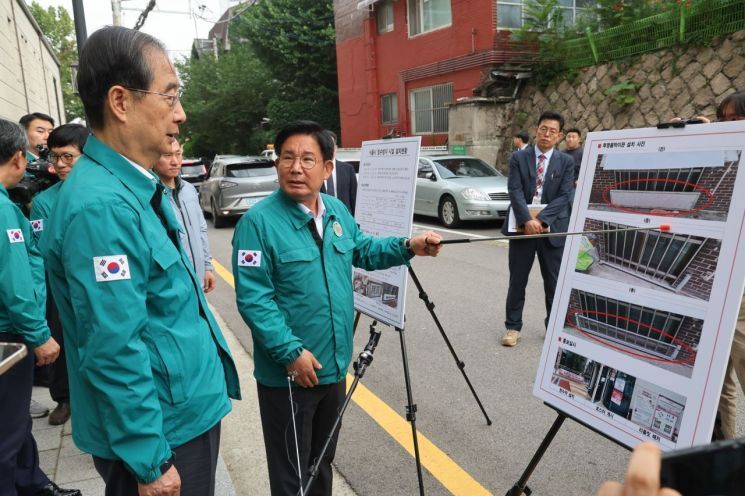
(241, 469)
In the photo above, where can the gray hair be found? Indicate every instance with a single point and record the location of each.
(12, 140)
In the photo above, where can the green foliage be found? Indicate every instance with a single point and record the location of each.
(607, 14)
(225, 99)
(282, 65)
(623, 93)
(58, 27)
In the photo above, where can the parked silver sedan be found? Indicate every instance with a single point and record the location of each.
(458, 187)
(236, 183)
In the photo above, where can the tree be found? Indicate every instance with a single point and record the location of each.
(58, 28)
(296, 41)
(225, 100)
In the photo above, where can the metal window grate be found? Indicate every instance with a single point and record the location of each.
(667, 180)
(429, 108)
(621, 322)
(659, 257)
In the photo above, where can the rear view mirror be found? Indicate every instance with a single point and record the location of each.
(432, 176)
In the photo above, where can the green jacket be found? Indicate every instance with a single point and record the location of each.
(22, 274)
(292, 296)
(149, 367)
(41, 207)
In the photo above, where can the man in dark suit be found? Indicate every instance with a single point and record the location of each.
(538, 174)
(342, 183)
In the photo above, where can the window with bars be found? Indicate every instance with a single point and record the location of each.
(511, 13)
(427, 15)
(649, 330)
(665, 180)
(661, 257)
(384, 15)
(429, 112)
(389, 108)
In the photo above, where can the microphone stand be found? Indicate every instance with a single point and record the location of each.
(363, 361)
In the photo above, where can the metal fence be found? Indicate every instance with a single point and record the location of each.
(686, 24)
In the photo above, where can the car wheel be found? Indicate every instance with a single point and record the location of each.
(217, 220)
(448, 212)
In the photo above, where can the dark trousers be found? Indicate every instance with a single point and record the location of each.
(315, 413)
(196, 462)
(521, 256)
(59, 387)
(19, 458)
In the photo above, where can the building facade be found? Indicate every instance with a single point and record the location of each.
(29, 70)
(401, 63)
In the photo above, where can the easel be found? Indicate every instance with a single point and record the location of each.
(365, 358)
(521, 486)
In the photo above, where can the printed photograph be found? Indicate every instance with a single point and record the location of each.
(665, 339)
(695, 185)
(677, 263)
(383, 292)
(657, 411)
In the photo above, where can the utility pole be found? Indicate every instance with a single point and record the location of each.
(116, 12)
(79, 15)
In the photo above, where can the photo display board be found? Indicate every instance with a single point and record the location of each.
(642, 323)
(385, 207)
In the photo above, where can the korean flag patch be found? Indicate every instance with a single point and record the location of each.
(111, 268)
(37, 225)
(249, 258)
(15, 235)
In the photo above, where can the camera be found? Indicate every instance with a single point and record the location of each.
(40, 175)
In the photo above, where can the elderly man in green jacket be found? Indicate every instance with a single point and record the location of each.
(151, 375)
(292, 259)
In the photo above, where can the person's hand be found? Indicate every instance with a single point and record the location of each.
(533, 227)
(303, 370)
(47, 352)
(704, 120)
(426, 244)
(642, 475)
(168, 484)
(209, 281)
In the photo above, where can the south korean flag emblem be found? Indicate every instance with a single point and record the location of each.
(111, 268)
(249, 258)
(15, 235)
(37, 225)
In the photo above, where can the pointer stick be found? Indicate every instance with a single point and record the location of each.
(662, 227)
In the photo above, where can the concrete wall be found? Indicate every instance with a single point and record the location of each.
(29, 71)
(681, 82)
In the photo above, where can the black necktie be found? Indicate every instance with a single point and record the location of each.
(156, 202)
(314, 233)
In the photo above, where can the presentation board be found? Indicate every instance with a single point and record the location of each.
(385, 207)
(643, 320)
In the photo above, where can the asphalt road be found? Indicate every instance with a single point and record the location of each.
(468, 284)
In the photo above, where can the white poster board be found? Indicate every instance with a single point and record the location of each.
(638, 342)
(385, 207)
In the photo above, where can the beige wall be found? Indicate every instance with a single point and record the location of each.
(29, 72)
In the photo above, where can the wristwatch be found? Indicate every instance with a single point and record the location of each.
(407, 245)
(166, 465)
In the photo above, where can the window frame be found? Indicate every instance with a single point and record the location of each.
(521, 3)
(420, 19)
(394, 107)
(385, 5)
(432, 109)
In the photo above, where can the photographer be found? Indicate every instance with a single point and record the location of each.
(39, 171)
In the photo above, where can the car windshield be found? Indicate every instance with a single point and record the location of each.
(250, 170)
(453, 168)
(192, 170)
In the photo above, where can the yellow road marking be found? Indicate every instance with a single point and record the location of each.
(440, 465)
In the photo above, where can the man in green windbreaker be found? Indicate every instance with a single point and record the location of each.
(150, 373)
(21, 321)
(292, 260)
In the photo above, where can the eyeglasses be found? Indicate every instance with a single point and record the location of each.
(67, 158)
(306, 161)
(172, 99)
(548, 130)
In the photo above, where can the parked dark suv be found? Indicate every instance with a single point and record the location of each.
(235, 184)
(194, 170)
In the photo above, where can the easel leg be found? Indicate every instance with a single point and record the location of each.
(458, 362)
(520, 486)
(411, 410)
